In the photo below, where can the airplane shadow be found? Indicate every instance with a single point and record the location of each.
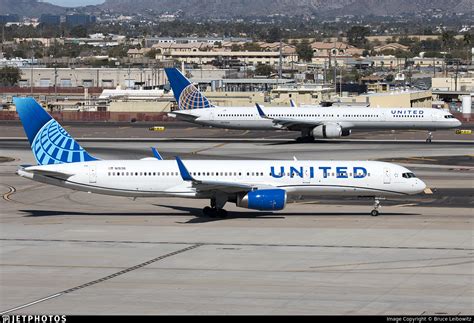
(201, 218)
(365, 142)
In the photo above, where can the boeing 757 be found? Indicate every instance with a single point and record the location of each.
(265, 185)
(312, 121)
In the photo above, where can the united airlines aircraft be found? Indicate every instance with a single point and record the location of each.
(253, 184)
(312, 121)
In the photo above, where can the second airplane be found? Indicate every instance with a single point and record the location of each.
(314, 122)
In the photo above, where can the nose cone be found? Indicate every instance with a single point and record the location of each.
(419, 186)
(457, 123)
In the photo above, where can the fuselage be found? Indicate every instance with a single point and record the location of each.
(153, 178)
(346, 117)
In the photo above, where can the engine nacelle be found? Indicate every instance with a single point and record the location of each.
(346, 132)
(263, 200)
(327, 131)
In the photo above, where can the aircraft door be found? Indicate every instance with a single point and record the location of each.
(306, 176)
(92, 174)
(211, 115)
(386, 176)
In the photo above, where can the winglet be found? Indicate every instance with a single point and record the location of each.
(293, 103)
(156, 153)
(185, 175)
(260, 111)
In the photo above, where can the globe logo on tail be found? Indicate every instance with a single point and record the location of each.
(53, 145)
(191, 98)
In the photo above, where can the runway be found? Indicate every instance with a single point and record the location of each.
(71, 252)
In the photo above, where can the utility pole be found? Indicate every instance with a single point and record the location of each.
(31, 70)
(55, 82)
(456, 76)
(335, 74)
(280, 64)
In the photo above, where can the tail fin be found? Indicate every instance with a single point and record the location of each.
(185, 93)
(50, 143)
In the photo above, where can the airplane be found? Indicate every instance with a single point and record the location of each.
(314, 122)
(265, 185)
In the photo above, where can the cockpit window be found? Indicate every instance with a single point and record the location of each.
(449, 116)
(408, 175)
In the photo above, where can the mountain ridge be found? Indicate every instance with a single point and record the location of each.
(249, 8)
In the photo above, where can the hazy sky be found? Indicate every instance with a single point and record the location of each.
(74, 3)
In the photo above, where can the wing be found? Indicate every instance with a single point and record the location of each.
(211, 185)
(289, 123)
(295, 124)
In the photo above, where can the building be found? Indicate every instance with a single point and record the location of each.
(391, 47)
(427, 62)
(150, 41)
(78, 19)
(50, 19)
(91, 77)
(323, 49)
(226, 58)
(387, 61)
(462, 84)
(178, 47)
(422, 99)
(9, 18)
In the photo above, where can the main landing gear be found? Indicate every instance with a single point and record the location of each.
(305, 139)
(305, 136)
(216, 208)
(430, 137)
(375, 211)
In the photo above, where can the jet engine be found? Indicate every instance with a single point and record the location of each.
(263, 200)
(329, 131)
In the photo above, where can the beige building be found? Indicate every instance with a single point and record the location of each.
(391, 46)
(464, 84)
(302, 94)
(388, 61)
(427, 62)
(334, 49)
(140, 106)
(393, 99)
(182, 48)
(90, 77)
(248, 58)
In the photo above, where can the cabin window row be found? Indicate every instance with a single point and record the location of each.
(210, 174)
(408, 115)
(361, 115)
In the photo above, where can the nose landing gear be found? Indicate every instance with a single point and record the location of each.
(375, 211)
(430, 137)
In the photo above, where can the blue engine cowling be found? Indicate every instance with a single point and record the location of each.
(263, 200)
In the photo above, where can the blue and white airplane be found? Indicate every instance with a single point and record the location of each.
(254, 184)
(312, 121)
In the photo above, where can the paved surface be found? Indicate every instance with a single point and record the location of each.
(71, 252)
